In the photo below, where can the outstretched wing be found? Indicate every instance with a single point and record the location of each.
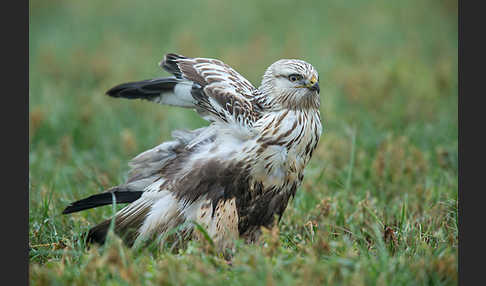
(221, 92)
(165, 90)
(213, 88)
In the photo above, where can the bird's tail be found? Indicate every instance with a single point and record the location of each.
(140, 220)
(126, 223)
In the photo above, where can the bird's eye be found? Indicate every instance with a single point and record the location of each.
(295, 77)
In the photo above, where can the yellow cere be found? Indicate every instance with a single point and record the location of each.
(313, 80)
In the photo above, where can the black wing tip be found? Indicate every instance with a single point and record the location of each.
(114, 91)
(102, 200)
(80, 205)
(169, 63)
(121, 90)
(170, 59)
(69, 209)
(145, 89)
(130, 90)
(173, 57)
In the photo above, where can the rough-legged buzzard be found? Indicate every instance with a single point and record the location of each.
(231, 177)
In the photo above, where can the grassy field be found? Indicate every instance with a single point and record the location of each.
(378, 205)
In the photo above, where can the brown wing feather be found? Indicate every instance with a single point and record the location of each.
(219, 89)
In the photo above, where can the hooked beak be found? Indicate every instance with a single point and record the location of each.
(315, 87)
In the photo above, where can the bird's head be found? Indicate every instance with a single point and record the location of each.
(292, 84)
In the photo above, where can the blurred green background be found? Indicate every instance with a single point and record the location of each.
(387, 157)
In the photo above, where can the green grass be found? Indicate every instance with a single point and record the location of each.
(378, 205)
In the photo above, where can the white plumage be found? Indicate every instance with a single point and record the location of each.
(233, 176)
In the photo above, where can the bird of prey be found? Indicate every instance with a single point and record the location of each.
(231, 177)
